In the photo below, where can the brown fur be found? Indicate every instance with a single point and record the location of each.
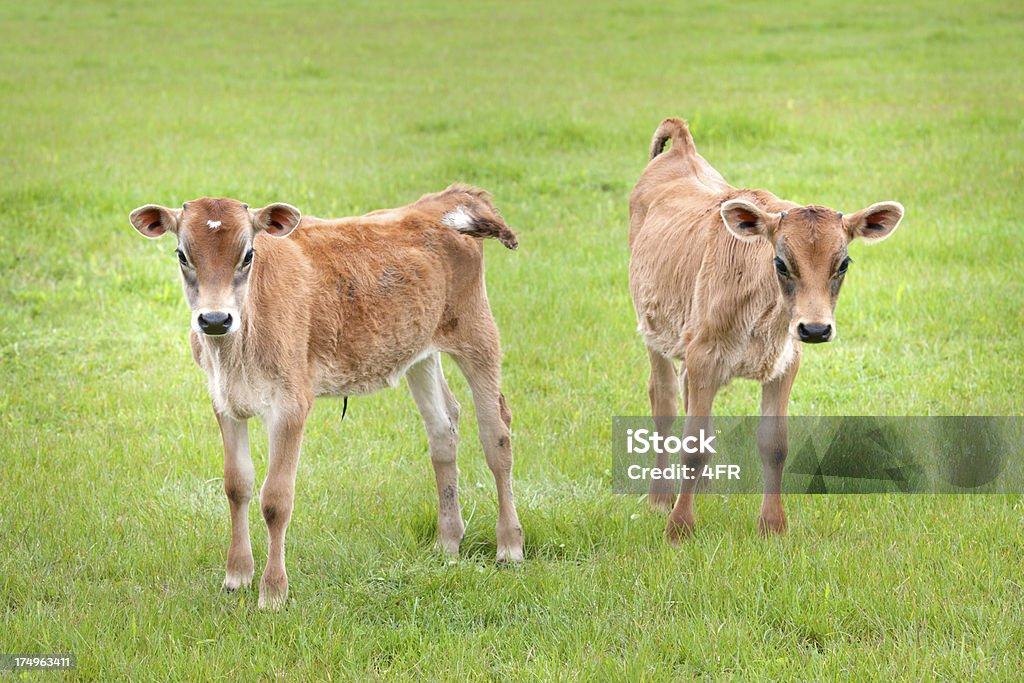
(340, 308)
(707, 294)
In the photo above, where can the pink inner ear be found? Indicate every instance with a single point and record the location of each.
(278, 221)
(151, 221)
(745, 216)
(884, 218)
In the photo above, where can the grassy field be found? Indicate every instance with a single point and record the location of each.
(113, 523)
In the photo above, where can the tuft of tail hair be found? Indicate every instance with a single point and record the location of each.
(676, 130)
(478, 217)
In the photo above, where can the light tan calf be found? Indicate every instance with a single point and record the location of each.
(340, 308)
(728, 282)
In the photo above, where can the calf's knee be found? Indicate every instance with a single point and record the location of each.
(276, 507)
(238, 492)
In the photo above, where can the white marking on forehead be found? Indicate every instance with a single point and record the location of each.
(458, 219)
(213, 224)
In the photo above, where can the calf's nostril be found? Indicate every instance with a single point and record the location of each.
(214, 322)
(814, 333)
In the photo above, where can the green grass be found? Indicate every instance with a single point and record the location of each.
(113, 524)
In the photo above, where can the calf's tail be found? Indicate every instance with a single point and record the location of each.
(478, 217)
(676, 130)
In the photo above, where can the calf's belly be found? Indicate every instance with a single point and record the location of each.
(338, 379)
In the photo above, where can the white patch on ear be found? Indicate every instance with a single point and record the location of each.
(213, 224)
(458, 219)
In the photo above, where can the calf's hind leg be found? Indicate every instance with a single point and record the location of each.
(440, 413)
(702, 384)
(663, 390)
(482, 368)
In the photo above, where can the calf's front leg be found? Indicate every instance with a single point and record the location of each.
(277, 496)
(773, 446)
(238, 485)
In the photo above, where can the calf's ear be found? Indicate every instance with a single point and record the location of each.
(874, 223)
(747, 221)
(153, 220)
(277, 219)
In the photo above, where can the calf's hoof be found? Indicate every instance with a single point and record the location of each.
(273, 591)
(449, 537)
(661, 502)
(233, 580)
(772, 526)
(239, 570)
(510, 545)
(678, 529)
(509, 554)
(449, 547)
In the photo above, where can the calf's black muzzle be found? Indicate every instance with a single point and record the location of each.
(214, 323)
(814, 334)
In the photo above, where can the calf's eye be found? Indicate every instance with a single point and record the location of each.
(843, 266)
(248, 259)
(780, 268)
(181, 258)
